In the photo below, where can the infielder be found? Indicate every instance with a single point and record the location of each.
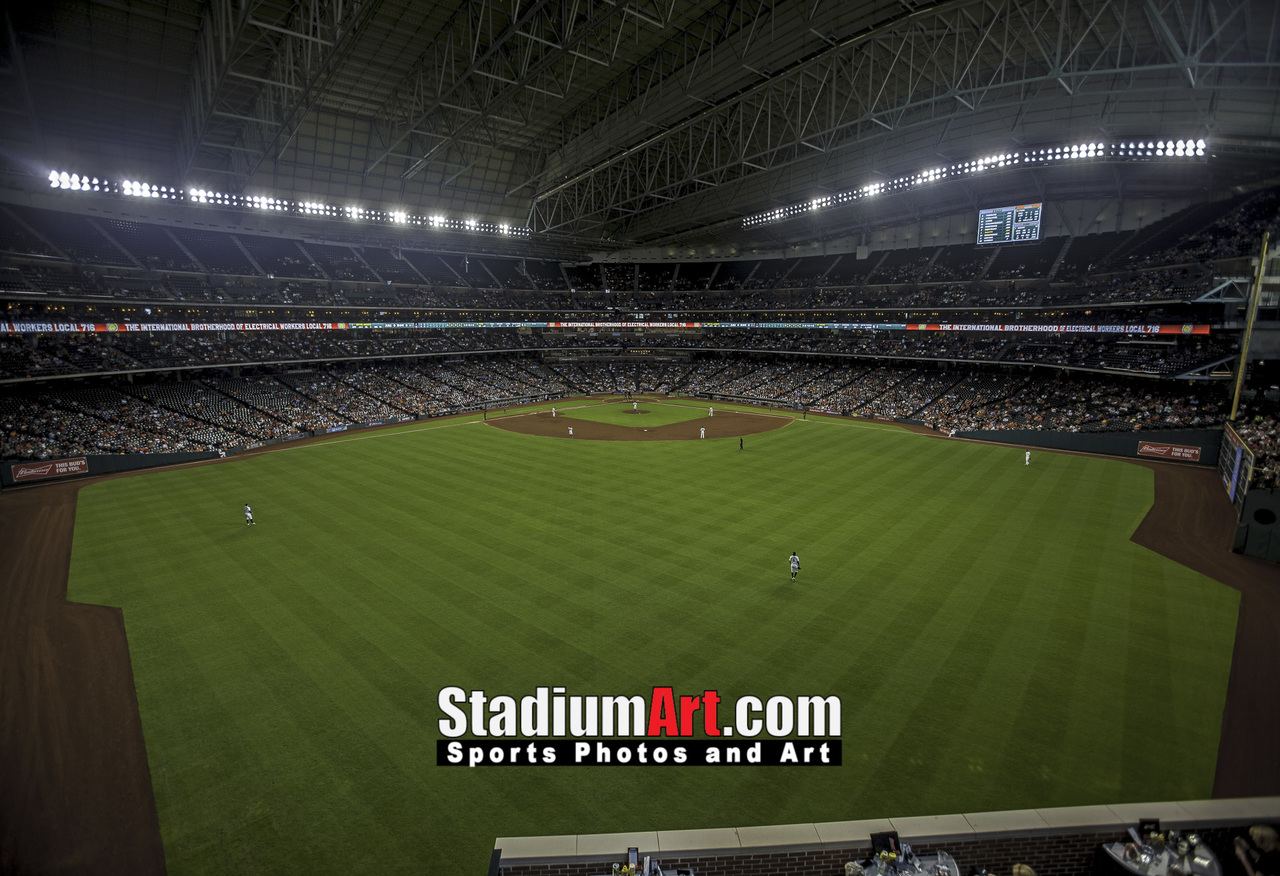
(248, 515)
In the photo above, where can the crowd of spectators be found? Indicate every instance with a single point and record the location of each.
(1170, 284)
(331, 379)
(1074, 405)
(172, 302)
(71, 423)
(50, 355)
(1236, 234)
(225, 413)
(171, 296)
(1258, 423)
(340, 402)
(281, 411)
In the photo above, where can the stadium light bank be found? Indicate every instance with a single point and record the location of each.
(1118, 151)
(76, 182)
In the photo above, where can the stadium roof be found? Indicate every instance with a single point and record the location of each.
(634, 122)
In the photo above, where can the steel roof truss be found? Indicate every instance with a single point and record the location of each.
(927, 66)
(287, 53)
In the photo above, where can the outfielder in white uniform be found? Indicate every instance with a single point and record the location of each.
(248, 515)
(795, 566)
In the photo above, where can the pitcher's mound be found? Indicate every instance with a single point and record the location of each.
(725, 424)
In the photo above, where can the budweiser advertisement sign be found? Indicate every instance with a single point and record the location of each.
(56, 468)
(1169, 451)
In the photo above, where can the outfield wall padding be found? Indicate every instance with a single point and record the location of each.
(1108, 443)
(112, 463)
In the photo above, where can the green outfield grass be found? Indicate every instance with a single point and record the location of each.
(996, 639)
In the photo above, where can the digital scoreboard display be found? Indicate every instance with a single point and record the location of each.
(1009, 224)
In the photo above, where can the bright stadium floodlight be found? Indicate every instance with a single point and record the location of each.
(133, 188)
(1119, 151)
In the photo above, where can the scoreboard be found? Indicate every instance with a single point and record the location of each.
(1009, 224)
(1235, 466)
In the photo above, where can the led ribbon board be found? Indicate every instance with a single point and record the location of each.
(26, 328)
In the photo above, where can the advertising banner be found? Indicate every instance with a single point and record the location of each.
(19, 328)
(1169, 451)
(49, 468)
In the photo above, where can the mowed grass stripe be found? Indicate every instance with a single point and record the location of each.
(312, 700)
(967, 609)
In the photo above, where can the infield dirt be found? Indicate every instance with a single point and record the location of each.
(724, 424)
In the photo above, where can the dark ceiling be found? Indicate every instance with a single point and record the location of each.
(635, 123)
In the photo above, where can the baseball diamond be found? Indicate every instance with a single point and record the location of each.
(101, 685)
(711, 426)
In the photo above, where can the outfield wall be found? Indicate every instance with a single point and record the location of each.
(1056, 842)
(1207, 441)
(14, 471)
(1108, 443)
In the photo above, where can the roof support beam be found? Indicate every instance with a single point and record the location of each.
(428, 62)
(263, 65)
(596, 17)
(15, 57)
(923, 68)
